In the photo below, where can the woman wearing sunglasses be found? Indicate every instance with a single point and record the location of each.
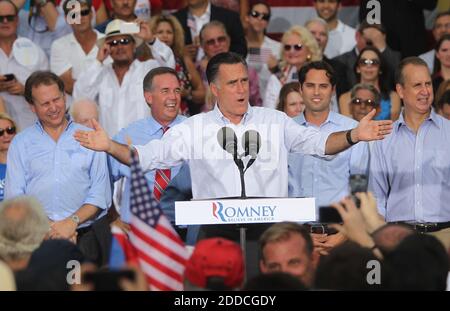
(370, 68)
(263, 52)
(7, 132)
(298, 47)
(169, 30)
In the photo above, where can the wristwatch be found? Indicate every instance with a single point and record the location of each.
(75, 219)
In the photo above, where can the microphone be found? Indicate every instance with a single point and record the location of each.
(227, 140)
(251, 142)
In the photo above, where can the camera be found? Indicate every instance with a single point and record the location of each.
(358, 183)
(9, 77)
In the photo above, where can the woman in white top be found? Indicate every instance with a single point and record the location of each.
(298, 48)
(263, 52)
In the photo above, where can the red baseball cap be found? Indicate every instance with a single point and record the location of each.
(216, 257)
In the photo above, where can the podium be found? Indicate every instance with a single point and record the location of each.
(241, 219)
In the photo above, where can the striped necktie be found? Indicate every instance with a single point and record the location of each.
(162, 178)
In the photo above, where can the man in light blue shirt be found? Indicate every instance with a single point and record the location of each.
(309, 176)
(162, 93)
(45, 161)
(410, 169)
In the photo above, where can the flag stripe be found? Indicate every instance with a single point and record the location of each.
(143, 244)
(156, 274)
(170, 242)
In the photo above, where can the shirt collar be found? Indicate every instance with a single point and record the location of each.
(69, 123)
(222, 119)
(433, 117)
(332, 118)
(155, 126)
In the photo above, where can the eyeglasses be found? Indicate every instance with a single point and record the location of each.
(218, 40)
(8, 18)
(260, 15)
(367, 102)
(297, 47)
(123, 41)
(85, 12)
(9, 130)
(369, 62)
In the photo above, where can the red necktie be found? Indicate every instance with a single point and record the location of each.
(162, 178)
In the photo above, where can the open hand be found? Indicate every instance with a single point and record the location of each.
(369, 129)
(97, 140)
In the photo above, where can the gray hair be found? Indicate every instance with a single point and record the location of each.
(213, 24)
(23, 226)
(368, 87)
(317, 20)
(74, 105)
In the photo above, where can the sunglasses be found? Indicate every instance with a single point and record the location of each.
(296, 47)
(85, 12)
(369, 62)
(367, 102)
(8, 18)
(218, 40)
(9, 130)
(260, 15)
(123, 41)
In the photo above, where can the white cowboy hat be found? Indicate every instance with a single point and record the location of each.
(115, 28)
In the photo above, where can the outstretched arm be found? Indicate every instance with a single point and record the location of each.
(367, 130)
(99, 140)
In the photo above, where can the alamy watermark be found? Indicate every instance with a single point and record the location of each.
(374, 15)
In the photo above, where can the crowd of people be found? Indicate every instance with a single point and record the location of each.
(82, 82)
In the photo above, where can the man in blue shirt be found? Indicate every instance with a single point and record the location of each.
(309, 176)
(410, 169)
(162, 93)
(45, 161)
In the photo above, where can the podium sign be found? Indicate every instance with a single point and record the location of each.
(236, 211)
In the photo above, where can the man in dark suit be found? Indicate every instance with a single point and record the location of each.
(375, 35)
(201, 12)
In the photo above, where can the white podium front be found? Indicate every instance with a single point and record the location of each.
(243, 220)
(244, 211)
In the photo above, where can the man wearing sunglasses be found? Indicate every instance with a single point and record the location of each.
(74, 52)
(118, 85)
(311, 176)
(13, 71)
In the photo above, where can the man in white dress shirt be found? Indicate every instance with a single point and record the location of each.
(73, 53)
(118, 86)
(341, 37)
(213, 170)
(19, 57)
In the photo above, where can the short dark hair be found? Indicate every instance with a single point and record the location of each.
(317, 65)
(227, 58)
(345, 268)
(16, 9)
(67, 9)
(262, 2)
(148, 80)
(282, 231)
(412, 60)
(365, 25)
(441, 14)
(41, 77)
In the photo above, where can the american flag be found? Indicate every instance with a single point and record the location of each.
(161, 252)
